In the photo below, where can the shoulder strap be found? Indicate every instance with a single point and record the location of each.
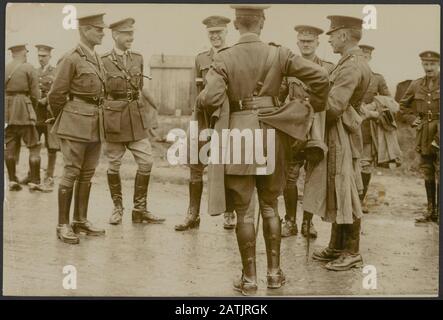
(8, 78)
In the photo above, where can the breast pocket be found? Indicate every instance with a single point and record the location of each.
(88, 80)
(115, 82)
(77, 120)
(113, 115)
(420, 101)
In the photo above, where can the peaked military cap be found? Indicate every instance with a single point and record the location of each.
(366, 48)
(214, 23)
(18, 47)
(344, 22)
(95, 20)
(43, 49)
(256, 10)
(306, 32)
(123, 25)
(430, 56)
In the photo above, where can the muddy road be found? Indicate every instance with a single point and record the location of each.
(155, 260)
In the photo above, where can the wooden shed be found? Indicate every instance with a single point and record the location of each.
(173, 83)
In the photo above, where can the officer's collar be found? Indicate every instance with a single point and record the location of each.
(45, 68)
(86, 49)
(249, 37)
(213, 50)
(121, 52)
(350, 52)
(436, 80)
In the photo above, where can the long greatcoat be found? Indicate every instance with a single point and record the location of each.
(234, 75)
(331, 190)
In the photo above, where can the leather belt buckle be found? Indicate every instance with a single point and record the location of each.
(129, 96)
(429, 116)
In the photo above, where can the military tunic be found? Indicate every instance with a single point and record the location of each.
(46, 77)
(76, 99)
(336, 197)
(234, 75)
(76, 96)
(21, 96)
(425, 103)
(126, 117)
(203, 62)
(377, 86)
(423, 99)
(293, 88)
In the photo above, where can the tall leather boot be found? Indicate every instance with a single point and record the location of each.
(272, 235)
(18, 145)
(115, 188)
(430, 187)
(192, 219)
(247, 284)
(351, 257)
(49, 177)
(289, 226)
(140, 213)
(307, 219)
(335, 247)
(81, 201)
(13, 180)
(52, 158)
(366, 178)
(35, 183)
(64, 229)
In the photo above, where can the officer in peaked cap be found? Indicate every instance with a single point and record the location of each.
(216, 27)
(423, 98)
(292, 88)
(377, 86)
(17, 48)
(430, 56)
(46, 75)
(21, 92)
(76, 100)
(124, 25)
(350, 80)
(95, 20)
(367, 49)
(234, 77)
(344, 22)
(124, 82)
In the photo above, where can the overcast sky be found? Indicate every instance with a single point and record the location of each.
(403, 31)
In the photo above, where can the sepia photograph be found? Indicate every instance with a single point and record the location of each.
(221, 150)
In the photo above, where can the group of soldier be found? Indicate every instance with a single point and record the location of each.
(340, 112)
